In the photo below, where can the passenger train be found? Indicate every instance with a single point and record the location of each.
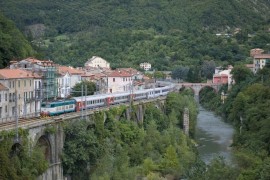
(76, 104)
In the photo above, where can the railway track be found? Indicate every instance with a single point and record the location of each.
(22, 123)
(37, 121)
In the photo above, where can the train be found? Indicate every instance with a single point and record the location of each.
(77, 104)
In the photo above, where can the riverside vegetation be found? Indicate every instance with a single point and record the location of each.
(247, 109)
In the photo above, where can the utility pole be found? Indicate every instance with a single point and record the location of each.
(82, 103)
(16, 116)
(85, 99)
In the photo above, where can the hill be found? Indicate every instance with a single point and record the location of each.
(13, 45)
(163, 32)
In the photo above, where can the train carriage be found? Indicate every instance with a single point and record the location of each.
(57, 107)
(90, 102)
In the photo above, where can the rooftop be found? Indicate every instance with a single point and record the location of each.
(16, 74)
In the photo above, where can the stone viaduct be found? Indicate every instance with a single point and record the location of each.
(197, 87)
(53, 143)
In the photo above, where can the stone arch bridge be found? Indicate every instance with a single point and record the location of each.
(197, 87)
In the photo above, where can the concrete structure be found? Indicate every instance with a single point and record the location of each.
(96, 61)
(46, 69)
(186, 121)
(119, 81)
(146, 66)
(20, 94)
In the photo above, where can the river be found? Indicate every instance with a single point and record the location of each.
(213, 136)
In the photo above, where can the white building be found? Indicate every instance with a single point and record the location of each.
(146, 66)
(75, 75)
(64, 84)
(119, 81)
(96, 61)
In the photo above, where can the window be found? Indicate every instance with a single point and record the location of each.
(19, 83)
(6, 96)
(0, 98)
(0, 112)
(24, 83)
(9, 84)
(30, 83)
(13, 110)
(123, 79)
(6, 109)
(13, 84)
(113, 79)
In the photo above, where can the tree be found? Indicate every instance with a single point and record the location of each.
(180, 73)
(241, 73)
(77, 89)
(208, 69)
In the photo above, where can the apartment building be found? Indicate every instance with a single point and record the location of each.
(19, 94)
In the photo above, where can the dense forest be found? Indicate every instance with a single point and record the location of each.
(13, 44)
(167, 34)
(247, 108)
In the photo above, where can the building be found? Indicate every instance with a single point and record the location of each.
(46, 69)
(19, 94)
(64, 84)
(223, 76)
(96, 61)
(259, 61)
(75, 74)
(146, 66)
(119, 81)
(256, 51)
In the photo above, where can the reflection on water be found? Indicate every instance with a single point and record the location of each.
(213, 136)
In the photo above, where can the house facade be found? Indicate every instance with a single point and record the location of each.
(259, 61)
(223, 76)
(46, 69)
(64, 86)
(75, 76)
(19, 94)
(146, 66)
(96, 61)
(119, 81)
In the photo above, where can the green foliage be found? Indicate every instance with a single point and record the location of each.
(175, 103)
(16, 162)
(121, 149)
(50, 129)
(241, 73)
(77, 89)
(13, 45)
(81, 149)
(165, 33)
(247, 108)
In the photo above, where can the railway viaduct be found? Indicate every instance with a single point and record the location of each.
(52, 143)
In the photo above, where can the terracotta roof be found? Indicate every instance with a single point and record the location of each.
(119, 74)
(15, 74)
(70, 70)
(261, 56)
(128, 70)
(2, 87)
(32, 60)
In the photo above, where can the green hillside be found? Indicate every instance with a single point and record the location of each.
(164, 32)
(13, 45)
